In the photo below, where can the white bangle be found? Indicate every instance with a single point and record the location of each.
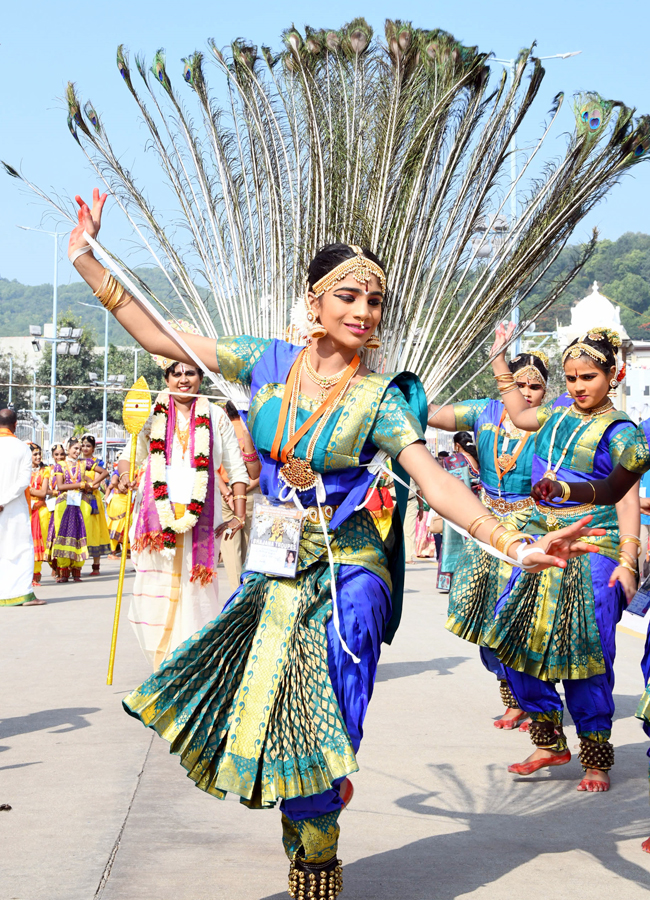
(523, 551)
(80, 252)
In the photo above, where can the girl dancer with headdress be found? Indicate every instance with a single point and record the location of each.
(69, 545)
(268, 701)
(505, 454)
(92, 506)
(634, 462)
(562, 625)
(39, 489)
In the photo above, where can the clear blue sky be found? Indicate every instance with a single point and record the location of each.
(45, 44)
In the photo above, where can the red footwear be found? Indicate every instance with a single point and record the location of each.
(646, 846)
(510, 724)
(64, 574)
(36, 579)
(346, 792)
(95, 569)
(527, 768)
(525, 726)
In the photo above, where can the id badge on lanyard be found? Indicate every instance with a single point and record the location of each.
(74, 498)
(274, 539)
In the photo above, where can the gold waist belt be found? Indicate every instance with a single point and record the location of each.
(555, 514)
(504, 507)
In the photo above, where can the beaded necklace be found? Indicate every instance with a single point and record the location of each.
(325, 382)
(587, 418)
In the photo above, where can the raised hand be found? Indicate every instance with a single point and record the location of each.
(502, 336)
(88, 220)
(626, 579)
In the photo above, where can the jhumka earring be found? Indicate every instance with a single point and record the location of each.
(373, 342)
(317, 330)
(613, 383)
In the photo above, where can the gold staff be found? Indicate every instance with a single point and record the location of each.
(135, 412)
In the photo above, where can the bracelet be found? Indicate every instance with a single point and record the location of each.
(110, 293)
(239, 497)
(505, 376)
(475, 523)
(508, 389)
(566, 493)
(630, 539)
(591, 485)
(80, 252)
(241, 521)
(624, 564)
(498, 525)
(506, 538)
(250, 457)
(623, 554)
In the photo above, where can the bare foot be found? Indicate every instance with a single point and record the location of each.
(511, 719)
(539, 759)
(596, 780)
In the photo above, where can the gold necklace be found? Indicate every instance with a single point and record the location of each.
(298, 472)
(183, 435)
(597, 411)
(325, 382)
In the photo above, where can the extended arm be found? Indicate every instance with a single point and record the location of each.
(605, 492)
(629, 525)
(451, 499)
(137, 321)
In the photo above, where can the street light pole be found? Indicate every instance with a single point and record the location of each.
(11, 378)
(509, 64)
(105, 409)
(55, 235)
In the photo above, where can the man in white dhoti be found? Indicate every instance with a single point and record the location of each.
(178, 525)
(16, 542)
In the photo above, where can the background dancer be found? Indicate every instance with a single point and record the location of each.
(69, 545)
(39, 489)
(176, 538)
(318, 416)
(562, 624)
(505, 455)
(92, 506)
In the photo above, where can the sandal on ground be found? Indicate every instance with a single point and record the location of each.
(533, 765)
(95, 569)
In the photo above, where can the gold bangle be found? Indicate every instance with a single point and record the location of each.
(241, 521)
(498, 525)
(239, 497)
(508, 389)
(624, 564)
(477, 522)
(630, 539)
(103, 285)
(626, 556)
(501, 540)
(593, 499)
(508, 378)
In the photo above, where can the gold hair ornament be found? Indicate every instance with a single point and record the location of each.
(597, 334)
(359, 266)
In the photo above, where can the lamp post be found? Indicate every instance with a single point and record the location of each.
(509, 64)
(93, 377)
(65, 343)
(55, 235)
(136, 350)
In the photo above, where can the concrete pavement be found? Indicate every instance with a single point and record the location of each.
(100, 810)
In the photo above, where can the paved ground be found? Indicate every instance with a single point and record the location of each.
(102, 811)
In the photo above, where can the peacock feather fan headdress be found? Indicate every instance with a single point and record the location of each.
(401, 144)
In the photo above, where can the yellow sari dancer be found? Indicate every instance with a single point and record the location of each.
(39, 490)
(92, 506)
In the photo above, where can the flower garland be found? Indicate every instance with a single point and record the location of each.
(171, 526)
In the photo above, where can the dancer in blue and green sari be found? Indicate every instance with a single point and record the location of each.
(562, 625)
(505, 456)
(269, 700)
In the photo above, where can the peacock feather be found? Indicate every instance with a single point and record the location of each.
(401, 144)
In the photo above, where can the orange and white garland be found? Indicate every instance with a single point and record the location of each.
(168, 522)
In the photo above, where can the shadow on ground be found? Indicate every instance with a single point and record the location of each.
(497, 831)
(441, 666)
(74, 718)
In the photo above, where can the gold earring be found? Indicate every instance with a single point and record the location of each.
(373, 342)
(613, 383)
(317, 330)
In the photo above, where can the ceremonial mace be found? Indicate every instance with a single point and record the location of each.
(135, 412)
